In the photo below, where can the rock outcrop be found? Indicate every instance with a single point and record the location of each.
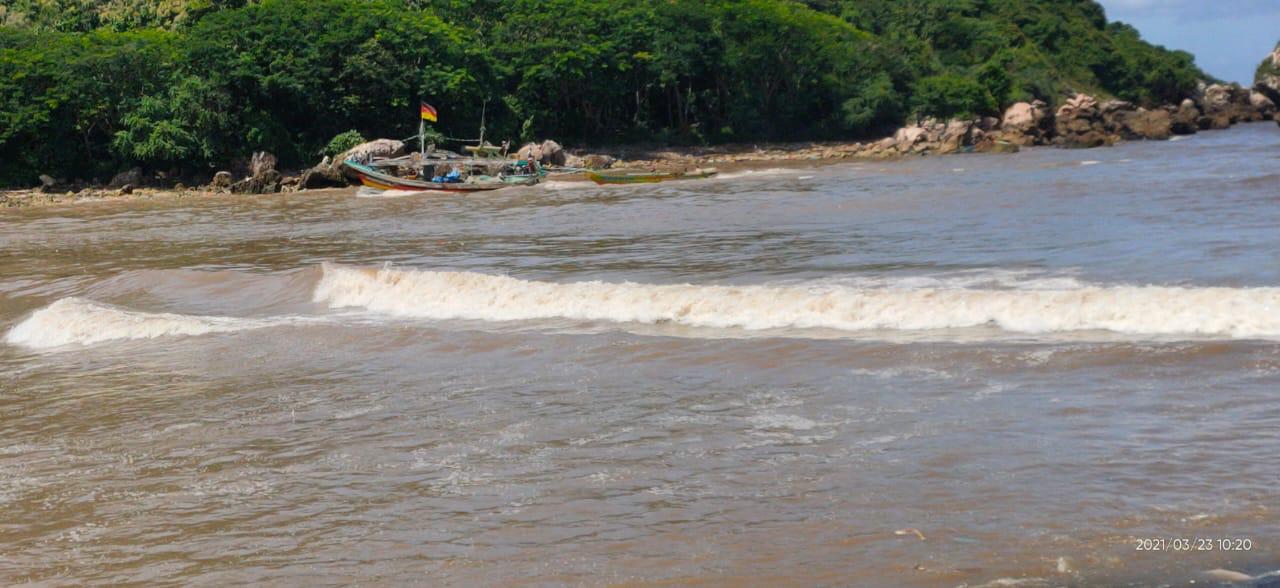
(263, 178)
(222, 181)
(1268, 78)
(1026, 123)
(1185, 118)
(120, 180)
(326, 174)
(547, 153)
(1262, 105)
(366, 152)
(1079, 123)
(1223, 105)
(1138, 123)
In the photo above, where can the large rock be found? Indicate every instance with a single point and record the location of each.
(1262, 105)
(222, 180)
(547, 153)
(1268, 78)
(959, 134)
(326, 174)
(1184, 119)
(268, 182)
(264, 178)
(1136, 123)
(1225, 104)
(597, 161)
(906, 139)
(1079, 122)
(366, 152)
(1026, 123)
(261, 162)
(133, 176)
(48, 183)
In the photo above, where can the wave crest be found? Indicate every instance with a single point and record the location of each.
(78, 321)
(1145, 310)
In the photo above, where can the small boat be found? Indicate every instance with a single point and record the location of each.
(650, 177)
(378, 180)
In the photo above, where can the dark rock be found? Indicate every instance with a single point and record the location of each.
(1080, 123)
(1142, 124)
(1262, 105)
(261, 163)
(268, 182)
(47, 183)
(222, 180)
(326, 174)
(126, 189)
(1224, 105)
(133, 176)
(1184, 120)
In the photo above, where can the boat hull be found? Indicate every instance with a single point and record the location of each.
(603, 179)
(379, 181)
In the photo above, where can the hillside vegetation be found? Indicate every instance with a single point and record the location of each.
(90, 87)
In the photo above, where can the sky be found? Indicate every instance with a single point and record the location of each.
(1228, 37)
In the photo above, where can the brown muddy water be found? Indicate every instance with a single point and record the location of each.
(966, 370)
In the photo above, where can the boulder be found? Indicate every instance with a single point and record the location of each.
(1141, 123)
(547, 153)
(48, 183)
(1184, 119)
(1262, 105)
(326, 174)
(1025, 123)
(1268, 79)
(133, 176)
(1225, 104)
(906, 139)
(264, 178)
(597, 161)
(365, 152)
(1080, 122)
(126, 189)
(222, 180)
(959, 134)
(268, 182)
(552, 153)
(261, 162)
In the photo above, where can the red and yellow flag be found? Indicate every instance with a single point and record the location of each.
(428, 112)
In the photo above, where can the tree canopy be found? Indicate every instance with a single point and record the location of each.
(88, 87)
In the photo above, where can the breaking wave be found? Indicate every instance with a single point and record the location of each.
(1140, 310)
(78, 321)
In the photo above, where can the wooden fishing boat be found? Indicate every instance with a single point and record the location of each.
(378, 180)
(650, 177)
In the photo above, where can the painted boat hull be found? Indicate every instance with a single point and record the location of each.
(654, 178)
(377, 180)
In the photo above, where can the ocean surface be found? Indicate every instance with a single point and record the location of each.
(1003, 370)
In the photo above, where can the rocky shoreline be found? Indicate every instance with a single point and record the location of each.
(1082, 121)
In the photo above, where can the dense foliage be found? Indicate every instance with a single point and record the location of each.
(87, 87)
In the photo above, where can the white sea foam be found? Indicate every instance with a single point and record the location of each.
(366, 192)
(1141, 310)
(758, 173)
(78, 321)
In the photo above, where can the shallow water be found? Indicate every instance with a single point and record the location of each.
(934, 372)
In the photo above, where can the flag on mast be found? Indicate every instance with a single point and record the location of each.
(428, 112)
